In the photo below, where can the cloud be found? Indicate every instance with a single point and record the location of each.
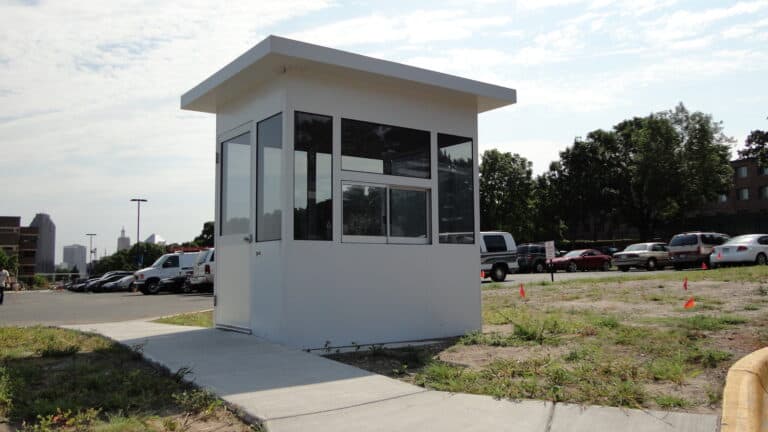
(684, 24)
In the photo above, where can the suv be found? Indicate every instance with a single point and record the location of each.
(498, 255)
(693, 248)
(532, 257)
(202, 274)
(167, 266)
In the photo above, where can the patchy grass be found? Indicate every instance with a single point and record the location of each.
(195, 319)
(57, 379)
(624, 341)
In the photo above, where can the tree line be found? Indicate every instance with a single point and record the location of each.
(649, 173)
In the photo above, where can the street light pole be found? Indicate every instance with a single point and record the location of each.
(90, 251)
(138, 215)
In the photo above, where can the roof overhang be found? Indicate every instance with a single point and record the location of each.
(268, 59)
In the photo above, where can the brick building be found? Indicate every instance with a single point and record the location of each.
(19, 241)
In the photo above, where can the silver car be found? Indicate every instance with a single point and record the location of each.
(650, 256)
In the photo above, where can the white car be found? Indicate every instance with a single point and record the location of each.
(167, 266)
(205, 268)
(498, 255)
(749, 248)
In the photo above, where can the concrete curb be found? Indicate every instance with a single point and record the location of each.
(745, 398)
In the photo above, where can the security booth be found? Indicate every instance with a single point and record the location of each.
(346, 196)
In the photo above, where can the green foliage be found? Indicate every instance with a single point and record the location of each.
(205, 239)
(670, 401)
(196, 400)
(39, 281)
(128, 259)
(756, 146)
(10, 263)
(195, 319)
(506, 194)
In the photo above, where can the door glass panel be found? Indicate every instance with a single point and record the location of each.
(270, 142)
(236, 185)
(408, 213)
(364, 210)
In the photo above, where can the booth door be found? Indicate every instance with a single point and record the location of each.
(235, 228)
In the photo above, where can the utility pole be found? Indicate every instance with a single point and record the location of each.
(138, 202)
(91, 252)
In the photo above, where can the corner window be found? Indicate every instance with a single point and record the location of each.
(743, 194)
(384, 214)
(455, 190)
(269, 134)
(312, 185)
(741, 172)
(235, 205)
(384, 149)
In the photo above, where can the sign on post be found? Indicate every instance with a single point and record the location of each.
(549, 250)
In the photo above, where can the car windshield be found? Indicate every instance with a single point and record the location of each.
(158, 262)
(202, 256)
(743, 239)
(684, 240)
(574, 253)
(636, 247)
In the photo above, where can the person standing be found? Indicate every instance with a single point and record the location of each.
(4, 277)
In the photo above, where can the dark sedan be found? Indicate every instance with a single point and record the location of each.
(582, 259)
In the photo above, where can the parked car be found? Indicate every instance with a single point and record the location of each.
(173, 284)
(112, 276)
(79, 285)
(691, 249)
(650, 256)
(203, 273)
(169, 265)
(498, 255)
(582, 259)
(743, 249)
(531, 257)
(122, 284)
(608, 250)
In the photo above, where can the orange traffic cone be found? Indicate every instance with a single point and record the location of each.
(689, 304)
(522, 291)
(482, 274)
(704, 265)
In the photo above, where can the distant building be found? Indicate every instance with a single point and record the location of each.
(46, 243)
(74, 256)
(123, 242)
(155, 239)
(19, 241)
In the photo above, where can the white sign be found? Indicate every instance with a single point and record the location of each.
(549, 249)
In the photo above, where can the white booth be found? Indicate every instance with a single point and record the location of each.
(346, 196)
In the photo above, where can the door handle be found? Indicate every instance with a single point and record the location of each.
(248, 238)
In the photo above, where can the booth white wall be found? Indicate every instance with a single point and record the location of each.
(336, 292)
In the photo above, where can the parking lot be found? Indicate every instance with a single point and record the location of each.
(63, 307)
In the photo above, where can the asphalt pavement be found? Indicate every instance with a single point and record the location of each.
(64, 307)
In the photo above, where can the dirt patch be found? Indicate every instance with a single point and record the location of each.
(480, 356)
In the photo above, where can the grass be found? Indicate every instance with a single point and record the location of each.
(195, 319)
(57, 379)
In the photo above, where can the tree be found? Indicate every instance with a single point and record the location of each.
(9, 262)
(548, 203)
(127, 259)
(506, 194)
(205, 239)
(756, 147)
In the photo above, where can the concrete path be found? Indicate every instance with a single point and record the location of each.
(290, 390)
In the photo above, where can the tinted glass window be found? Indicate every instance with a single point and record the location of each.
(455, 190)
(270, 142)
(684, 240)
(364, 210)
(744, 194)
(495, 243)
(236, 185)
(312, 196)
(741, 171)
(382, 149)
(172, 261)
(658, 248)
(763, 240)
(522, 250)
(213, 256)
(408, 213)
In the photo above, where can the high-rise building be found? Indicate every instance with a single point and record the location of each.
(123, 242)
(155, 239)
(74, 256)
(46, 243)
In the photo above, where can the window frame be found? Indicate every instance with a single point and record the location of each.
(428, 227)
(475, 187)
(352, 238)
(742, 169)
(740, 196)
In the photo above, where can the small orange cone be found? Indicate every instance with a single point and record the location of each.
(482, 274)
(704, 266)
(689, 304)
(685, 284)
(522, 291)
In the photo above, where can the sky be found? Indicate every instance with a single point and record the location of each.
(89, 90)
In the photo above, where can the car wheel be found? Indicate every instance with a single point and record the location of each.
(761, 260)
(498, 273)
(651, 264)
(624, 268)
(606, 266)
(152, 287)
(539, 267)
(572, 267)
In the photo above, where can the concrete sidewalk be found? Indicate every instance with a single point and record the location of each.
(290, 390)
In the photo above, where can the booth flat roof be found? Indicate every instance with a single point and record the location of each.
(272, 54)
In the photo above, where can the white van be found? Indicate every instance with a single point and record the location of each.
(205, 269)
(167, 266)
(498, 255)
